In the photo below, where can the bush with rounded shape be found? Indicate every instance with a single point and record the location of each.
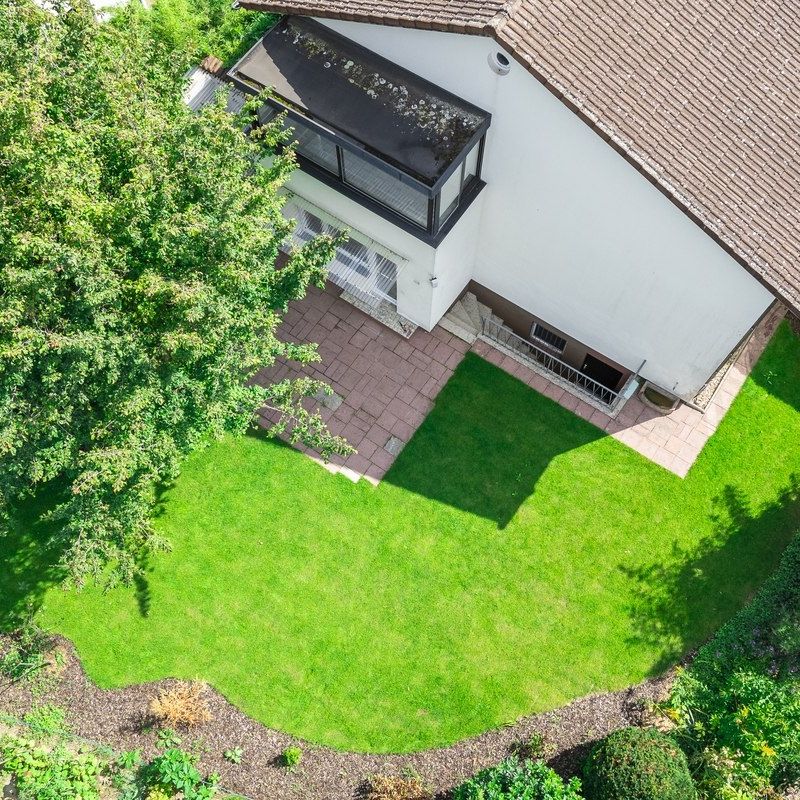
(638, 764)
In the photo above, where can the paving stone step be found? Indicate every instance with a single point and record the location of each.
(459, 313)
(451, 325)
(470, 304)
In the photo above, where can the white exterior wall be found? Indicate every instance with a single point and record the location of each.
(570, 231)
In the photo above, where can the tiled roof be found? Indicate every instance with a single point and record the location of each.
(458, 16)
(702, 96)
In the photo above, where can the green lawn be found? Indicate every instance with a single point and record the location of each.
(513, 559)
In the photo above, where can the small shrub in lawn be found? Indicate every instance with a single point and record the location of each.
(291, 757)
(513, 779)
(183, 705)
(638, 764)
(392, 787)
(47, 720)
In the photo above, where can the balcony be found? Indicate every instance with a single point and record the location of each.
(396, 143)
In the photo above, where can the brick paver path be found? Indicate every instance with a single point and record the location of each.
(387, 382)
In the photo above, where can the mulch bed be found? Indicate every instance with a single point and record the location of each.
(119, 718)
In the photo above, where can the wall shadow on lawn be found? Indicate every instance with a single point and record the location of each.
(29, 554)
(486, 443)
(681, 603)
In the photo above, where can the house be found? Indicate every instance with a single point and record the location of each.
(615, 186)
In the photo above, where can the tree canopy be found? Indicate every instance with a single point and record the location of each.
(138, 281)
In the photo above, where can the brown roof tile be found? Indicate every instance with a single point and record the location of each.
(702, 96)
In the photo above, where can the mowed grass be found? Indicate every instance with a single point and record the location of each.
(513, 559)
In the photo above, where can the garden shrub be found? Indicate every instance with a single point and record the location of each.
(741, 732)
(513, 779)
(183, 705)
(50, 774)
(393, 787)
(737, 707)
(197, 28)
(291, 757)
(638, 764)
(176, 771)
(26, 652)
(47, 720)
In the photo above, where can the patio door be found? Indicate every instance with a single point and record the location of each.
(361, 266)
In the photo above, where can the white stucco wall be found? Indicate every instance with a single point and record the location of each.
(455, 258)
(571, 232)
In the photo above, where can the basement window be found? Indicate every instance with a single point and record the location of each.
(548, 338)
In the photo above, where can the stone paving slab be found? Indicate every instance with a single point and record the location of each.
(385, 384)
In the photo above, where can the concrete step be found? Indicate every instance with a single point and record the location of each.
(470, 304)
(484, 310)
(459, 313)
(496, 321)
(453, 325)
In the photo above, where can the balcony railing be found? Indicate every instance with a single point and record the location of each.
(550, 364)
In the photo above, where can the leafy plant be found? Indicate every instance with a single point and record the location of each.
(513, 779)
(49, 774)
(124, 774)
(184, 704)
(533, 748)
(130, 759)
(392, 787)
(47, 720)
(26, 653)
(234, 755)
(291, 757)
(167, 737)
(176, 771)
(637, 764)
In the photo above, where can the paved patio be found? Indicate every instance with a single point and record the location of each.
(388, 384)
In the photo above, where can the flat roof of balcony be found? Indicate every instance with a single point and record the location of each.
(403, 119)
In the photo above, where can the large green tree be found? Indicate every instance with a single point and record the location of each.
(138, 280)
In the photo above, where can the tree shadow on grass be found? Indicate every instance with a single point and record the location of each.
(141, 586)
(681, 602)
(779, 373)
(30, 553)
(486, 443)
